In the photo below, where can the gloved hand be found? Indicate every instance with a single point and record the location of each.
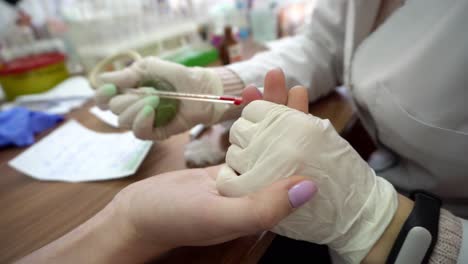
(353, 206)
(142, 114)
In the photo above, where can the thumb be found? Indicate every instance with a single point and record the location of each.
(265, 208)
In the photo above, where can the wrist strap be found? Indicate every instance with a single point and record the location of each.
(419, 231)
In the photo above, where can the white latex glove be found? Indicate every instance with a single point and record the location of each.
(353, 206)
(137, 112)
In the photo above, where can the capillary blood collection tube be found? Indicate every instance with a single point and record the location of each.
(226, 99)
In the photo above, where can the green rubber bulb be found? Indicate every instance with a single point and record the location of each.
(167, 108)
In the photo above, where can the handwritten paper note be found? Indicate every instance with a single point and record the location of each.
(74, 153)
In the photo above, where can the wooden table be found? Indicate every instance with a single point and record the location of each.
(34, 213)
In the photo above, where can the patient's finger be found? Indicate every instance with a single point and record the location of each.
(251, 93)
(275, 87)
(298, 99)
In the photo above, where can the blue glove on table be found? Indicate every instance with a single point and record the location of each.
(19, 125)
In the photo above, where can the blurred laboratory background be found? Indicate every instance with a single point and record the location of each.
(43, 42)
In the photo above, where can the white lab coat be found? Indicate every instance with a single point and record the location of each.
(408, 79)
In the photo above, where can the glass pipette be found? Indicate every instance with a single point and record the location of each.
(226, 99)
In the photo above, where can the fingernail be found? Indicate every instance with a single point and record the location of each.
(109, 89)
(152, 101)
(300, 193)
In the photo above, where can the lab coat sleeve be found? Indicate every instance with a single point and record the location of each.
(313, 59)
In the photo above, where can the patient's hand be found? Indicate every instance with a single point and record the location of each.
(184, 208)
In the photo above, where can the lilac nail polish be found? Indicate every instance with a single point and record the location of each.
(300, 193)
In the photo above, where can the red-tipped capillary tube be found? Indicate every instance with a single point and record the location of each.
(225, 99)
